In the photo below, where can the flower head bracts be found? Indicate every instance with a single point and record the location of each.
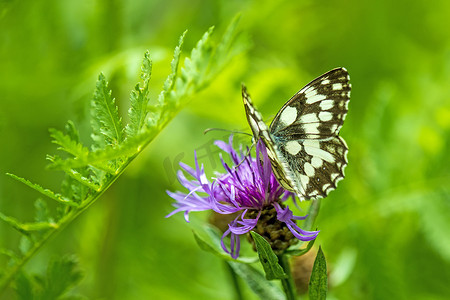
(249, 185)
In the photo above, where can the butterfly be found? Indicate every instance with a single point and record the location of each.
(307, 155)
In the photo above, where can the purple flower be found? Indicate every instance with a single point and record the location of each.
(248, 187)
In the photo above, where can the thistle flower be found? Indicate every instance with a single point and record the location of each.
(250, 188)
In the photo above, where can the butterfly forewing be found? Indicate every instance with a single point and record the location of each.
(261, 131)
(307, 155)
(318, 110)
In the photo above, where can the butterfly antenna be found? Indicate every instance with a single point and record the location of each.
(247, 154)
(226, 130)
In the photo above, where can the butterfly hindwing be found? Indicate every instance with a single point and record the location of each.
(317, 165)
(307, 155)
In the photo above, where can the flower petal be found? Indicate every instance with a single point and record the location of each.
(235, 243)
(286, 216)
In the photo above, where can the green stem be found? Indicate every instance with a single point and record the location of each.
(235, 282)
(288, 282)
(312, 215)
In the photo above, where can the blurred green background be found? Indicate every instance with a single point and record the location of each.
(385, 231)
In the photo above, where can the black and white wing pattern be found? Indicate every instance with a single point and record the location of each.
(307, 154)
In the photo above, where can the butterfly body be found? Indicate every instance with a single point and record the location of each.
(307, 154)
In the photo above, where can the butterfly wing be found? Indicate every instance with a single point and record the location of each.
(306, 131)
(316, 165)
(261, 131)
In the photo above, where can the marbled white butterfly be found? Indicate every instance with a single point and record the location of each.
(307, 154)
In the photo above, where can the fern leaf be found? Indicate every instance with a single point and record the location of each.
(26, 241)
(72, 131)
(45, 192)
(74, 190)
(231, 45)
(38, 226)
(82, 179)
(67, 144)
(139, 100)
(8, 252)
(194, 68)
(90, 172)
(26, 228)
(130, 147)
(64, 165)
(24, 288)
(14, 223)
(106, 123)
(62, 275)
(91, 160)
(42, 212)
(169, 83)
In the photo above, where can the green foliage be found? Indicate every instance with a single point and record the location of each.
(212, 245)
(62, 275)
(46, 192)
(25, 228)
(24, 288)
(268, 258)
(107, 128)
(258, 283)
(139, 99)
(391, 210)
(318, 283)
(89, 173)
(299, 252)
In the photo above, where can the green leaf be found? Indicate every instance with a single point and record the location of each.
(299, 252)
(318, 283)
(231, 45)
(67, 143)
(90, 171)
(45, 192)
(268, 258)
(435, 222)
(82, 179)
(193, 73)
(196, 66)
(263, 288)
(10, 254)
(25, 244)
(62, 274)
(214, 247)
(139, 100)
(72, 131)
(96, 159)
(42, 213)
(206, 246)
(24, 288)
(169, 82)
(99, 158)
(106, 124)
(25, 228)
(73, 189)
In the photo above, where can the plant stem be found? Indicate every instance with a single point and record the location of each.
(235, 282)
(312, 214)
(288, 283)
